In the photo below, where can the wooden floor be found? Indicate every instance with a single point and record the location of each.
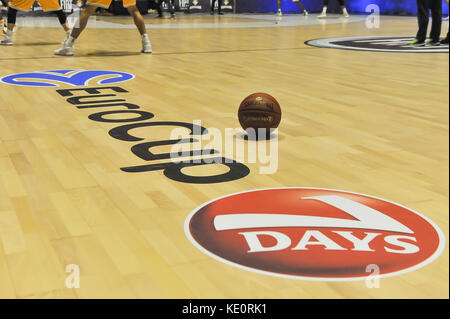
(372, 123)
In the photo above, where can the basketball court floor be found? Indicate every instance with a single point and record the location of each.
(366, 122)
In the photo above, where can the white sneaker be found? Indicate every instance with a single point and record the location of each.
(7, 40)
(305, 13)
(66, 50)
(146, 46)
(346, 15)
(67, 36)
(322, 15)
(279, 13)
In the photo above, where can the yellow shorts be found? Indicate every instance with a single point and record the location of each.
(25, 5)
(106, 3)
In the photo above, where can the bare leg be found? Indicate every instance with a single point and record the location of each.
(84, 17)
(299, 4)
(138, 20)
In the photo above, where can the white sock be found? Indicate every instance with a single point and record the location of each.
(324, 10)
(9, 33)
(344, 10)
(145, 36)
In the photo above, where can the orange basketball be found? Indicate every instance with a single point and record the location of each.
(259, 110)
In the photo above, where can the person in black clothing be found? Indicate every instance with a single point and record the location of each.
(423, 16)
(325, 6)
(213, 2)
(169, 4)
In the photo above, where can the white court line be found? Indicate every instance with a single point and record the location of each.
(271, 21)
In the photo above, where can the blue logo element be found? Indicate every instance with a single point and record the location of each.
(71, 77)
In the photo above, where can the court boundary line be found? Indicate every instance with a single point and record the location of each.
(156, 53)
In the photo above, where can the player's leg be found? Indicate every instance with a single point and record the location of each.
(279, 7)
(63, 21)
(3, 25)
(83, 20)
(13, 7)
(213, 3)
(54, 6)
(436, 21)
(301, 6)
(324, 10)
(67, 48)
(12, 15)
(140, 24)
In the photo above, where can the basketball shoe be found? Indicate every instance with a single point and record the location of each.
(67, 48)
(7, 40)
(146, 45)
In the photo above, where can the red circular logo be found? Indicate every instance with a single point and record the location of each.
(315, 234)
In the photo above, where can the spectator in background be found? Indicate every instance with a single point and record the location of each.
(169, 4)
(305, 13)
(325, 6)
(213, 3)
(423, 16)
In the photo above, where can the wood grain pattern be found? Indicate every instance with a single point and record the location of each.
(373, 123)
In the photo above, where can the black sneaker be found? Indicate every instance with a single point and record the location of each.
(221, 13)
(212, 13)
(444, 41)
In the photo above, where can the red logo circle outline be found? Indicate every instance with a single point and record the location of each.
(429, 260)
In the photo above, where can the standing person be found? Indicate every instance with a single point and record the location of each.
(169, 4)
(445, 41)
(213, 3)
(91, 6)
(423, 16)
(25, 5)
(325, 6)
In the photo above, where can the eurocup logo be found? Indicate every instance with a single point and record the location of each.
(71, 77)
